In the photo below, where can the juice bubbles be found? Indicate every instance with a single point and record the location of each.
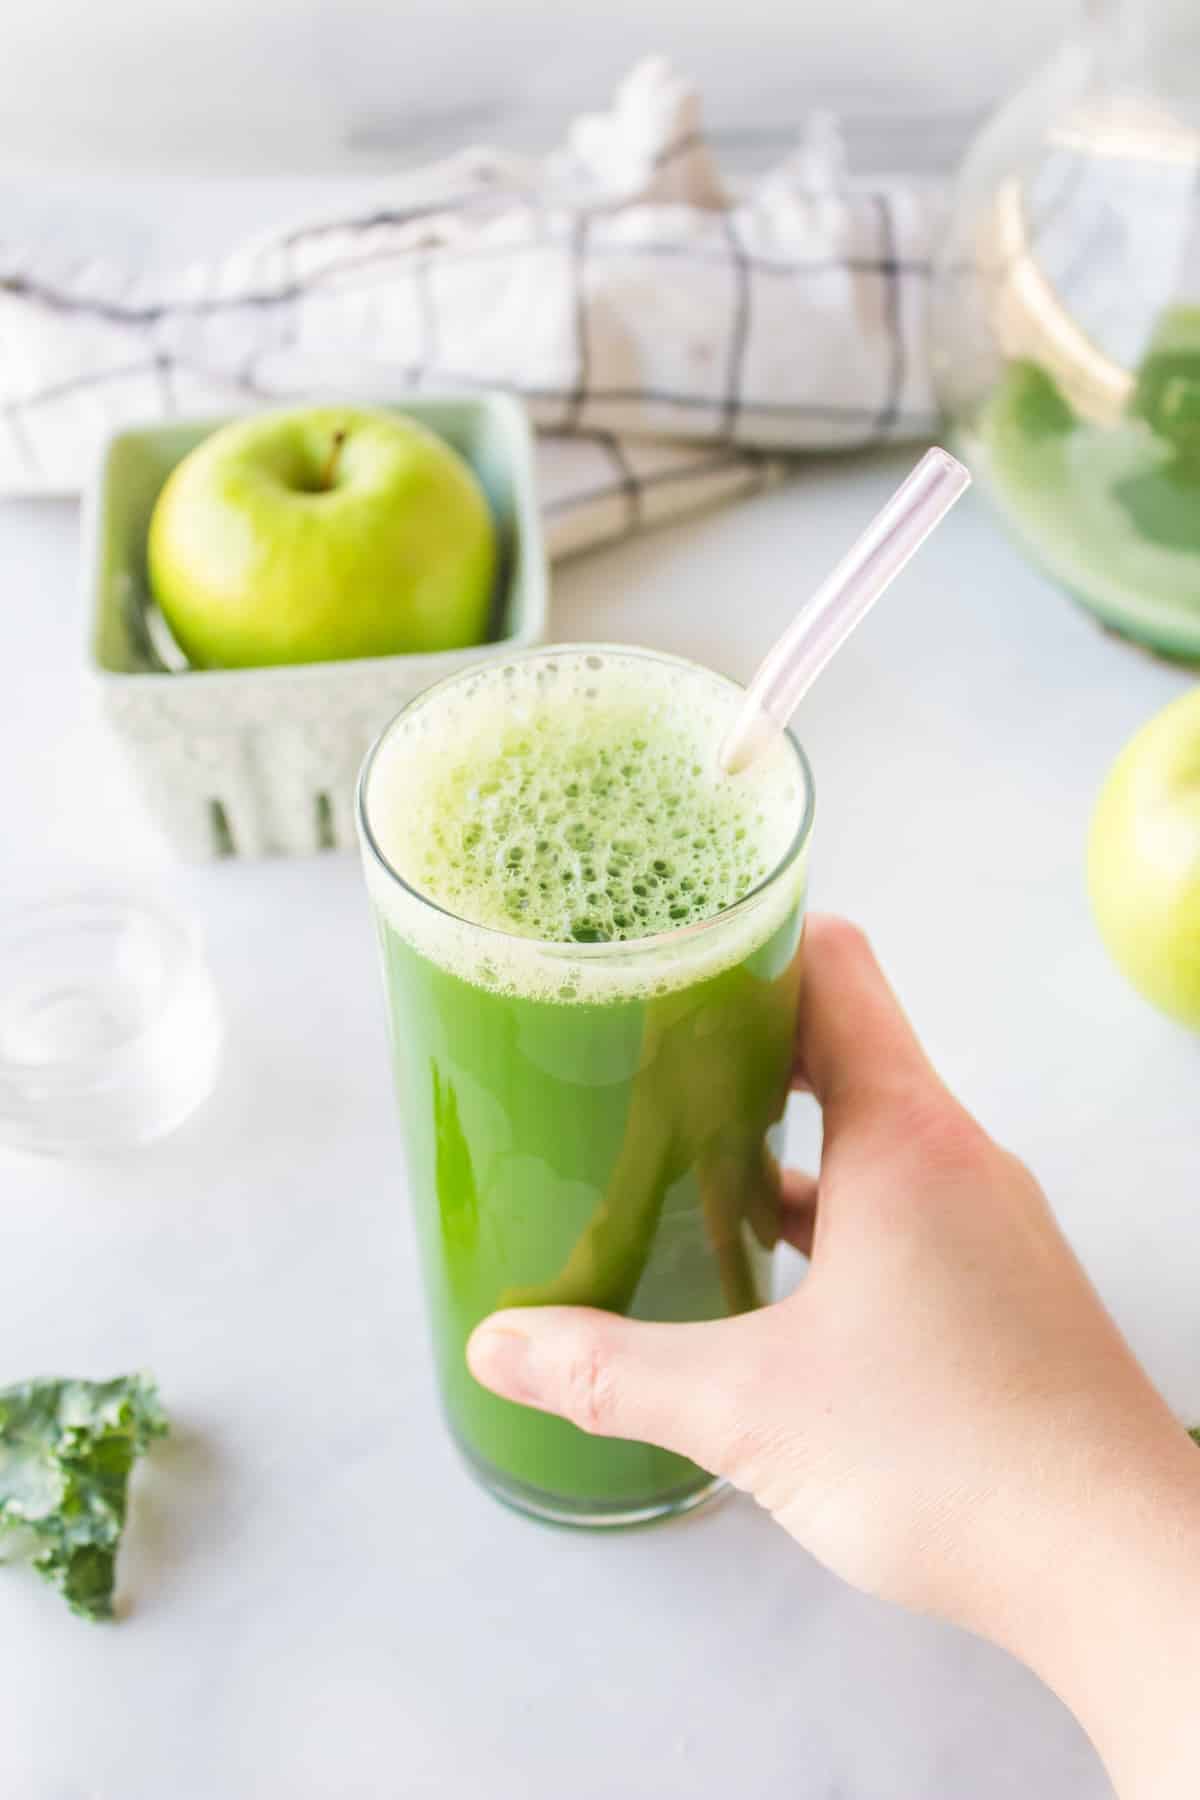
(590, 943)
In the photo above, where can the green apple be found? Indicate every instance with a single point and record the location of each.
(317, 535)
(1144, 860)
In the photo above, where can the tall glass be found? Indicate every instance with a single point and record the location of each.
(587, 1123)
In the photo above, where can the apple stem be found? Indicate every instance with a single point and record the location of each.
(331, 461)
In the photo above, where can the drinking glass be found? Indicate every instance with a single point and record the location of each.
(592, 1123)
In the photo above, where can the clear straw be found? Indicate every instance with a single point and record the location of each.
(844, 597)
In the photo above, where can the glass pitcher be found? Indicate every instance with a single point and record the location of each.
(1066, 317)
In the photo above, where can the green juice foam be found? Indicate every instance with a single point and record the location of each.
(573, 799)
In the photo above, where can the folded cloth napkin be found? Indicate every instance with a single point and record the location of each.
(674, 340)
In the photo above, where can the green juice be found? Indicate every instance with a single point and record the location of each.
(1112, 511)
(590, 942)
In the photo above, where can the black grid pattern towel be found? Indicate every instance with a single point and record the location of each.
(673, 341)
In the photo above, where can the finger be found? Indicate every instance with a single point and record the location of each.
(798, 1209)
(688, 1388)
(798, 1080)
(853, 1041)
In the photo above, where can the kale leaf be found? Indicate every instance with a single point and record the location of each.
(66, 1452)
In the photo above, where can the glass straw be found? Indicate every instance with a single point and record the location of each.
(845, 596)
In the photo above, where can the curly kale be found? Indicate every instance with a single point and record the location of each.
(66, 1452)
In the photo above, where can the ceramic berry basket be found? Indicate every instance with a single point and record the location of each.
(260, 762)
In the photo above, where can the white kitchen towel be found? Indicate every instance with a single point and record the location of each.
(673, 340)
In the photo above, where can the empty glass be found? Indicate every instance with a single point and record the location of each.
(109, 1030)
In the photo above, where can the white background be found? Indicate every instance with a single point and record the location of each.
(323, 1607)
(314, 83)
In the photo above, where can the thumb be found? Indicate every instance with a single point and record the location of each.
(688, 1388)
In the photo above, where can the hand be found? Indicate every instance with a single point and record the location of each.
(943, 1412)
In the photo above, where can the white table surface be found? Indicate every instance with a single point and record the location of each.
(320, 1602)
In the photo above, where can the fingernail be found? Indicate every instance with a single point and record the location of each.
(500, 1357)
